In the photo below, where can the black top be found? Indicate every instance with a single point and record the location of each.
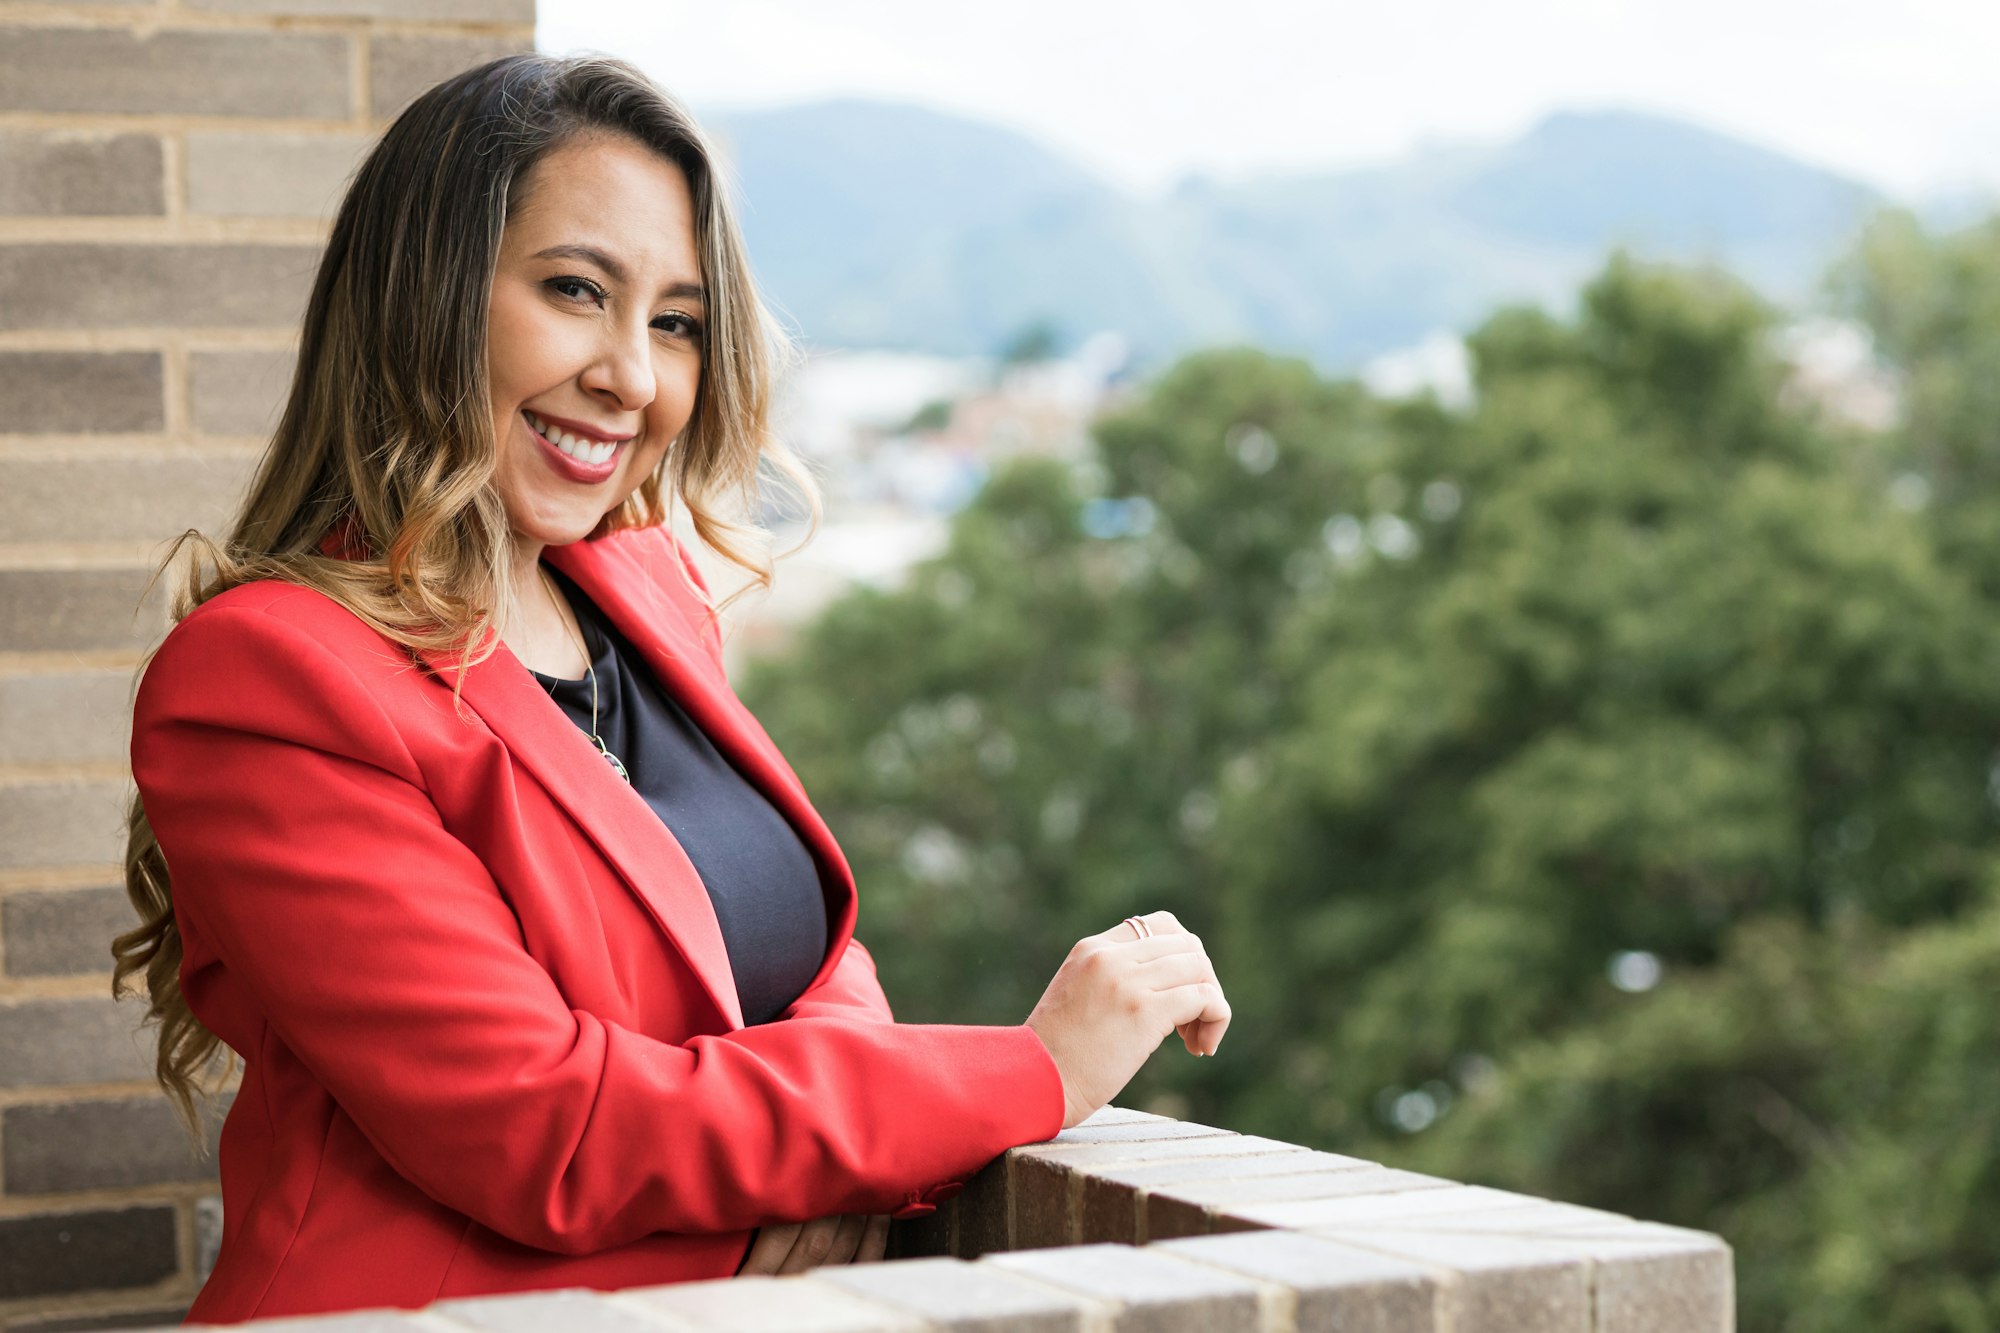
(758, 874)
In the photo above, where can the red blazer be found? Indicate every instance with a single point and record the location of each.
(491, 1037)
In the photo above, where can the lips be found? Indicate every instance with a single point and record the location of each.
(581, 460)
(584, 449)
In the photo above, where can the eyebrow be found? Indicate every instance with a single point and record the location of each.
(678, 290)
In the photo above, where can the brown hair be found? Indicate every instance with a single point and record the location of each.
(387, 437)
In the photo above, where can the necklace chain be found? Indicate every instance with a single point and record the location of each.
(590, 669)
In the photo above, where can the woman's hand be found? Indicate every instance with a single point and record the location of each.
(1115, 999)
(794, 1247)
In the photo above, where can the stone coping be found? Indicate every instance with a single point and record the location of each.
(1141, 1222)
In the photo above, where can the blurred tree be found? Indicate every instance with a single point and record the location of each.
(1612, 758)
(1933, 305)
(1828, 1100)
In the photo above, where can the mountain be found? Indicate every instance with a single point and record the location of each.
(877, 225)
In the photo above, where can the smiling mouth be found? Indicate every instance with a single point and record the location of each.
(591, 452)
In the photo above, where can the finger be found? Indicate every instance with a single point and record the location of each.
(847, 1240)
(809, 1251)
(1190, 1035)
(773, 1243)
(1134, 952)
(1201, 1002)
(1157, 923)
(1210, 1036)
(1202, 1038)
(1185, 968)
(875, 1242)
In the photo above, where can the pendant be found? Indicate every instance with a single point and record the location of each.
(617, 764)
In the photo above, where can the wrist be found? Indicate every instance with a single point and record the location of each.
(1058, 1095)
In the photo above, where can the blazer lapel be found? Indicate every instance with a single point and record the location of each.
(629, 590)
(614, 816)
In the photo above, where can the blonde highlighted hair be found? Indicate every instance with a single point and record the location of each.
(386, 450)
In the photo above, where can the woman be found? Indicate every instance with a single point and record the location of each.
(538, 959)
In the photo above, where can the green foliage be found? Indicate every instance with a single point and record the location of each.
(1434, 723)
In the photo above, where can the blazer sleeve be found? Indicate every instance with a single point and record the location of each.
(324, 904)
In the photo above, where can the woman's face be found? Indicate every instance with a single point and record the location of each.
(594, 334)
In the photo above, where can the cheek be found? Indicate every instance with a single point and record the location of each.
(673, 405)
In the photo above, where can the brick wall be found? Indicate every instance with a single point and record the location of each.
(166, 171)
(1135, 1223)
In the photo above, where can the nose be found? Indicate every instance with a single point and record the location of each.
(621, 374)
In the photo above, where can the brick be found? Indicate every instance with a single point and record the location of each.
(206, 73)
(141, 495)
(399, 68)
(437, 11)
(44, 1043)
(1335, 1288)
(239, 392)
(1527, 1219)
(1155, 1292)
(47, 610)
(73, 715)
(1190, 1209)
(1047, 1184)
(1664, 1289)
(958, 1295)
(1092, 1155)
(221, 285)
(271, 175)
(90, 1145)
(1045, 1199)
(1640, 1283)
(1495, 1281)
(57, 1253)
(1300, 1185)
(63, 823)
(983, 1221)
(1185, 1170)
(207, 1233)
(770, 1305)
(923, 1237)
(54, 173)
(79, 393)
(1113, 1196)
(538, 1312)
(1149, 1130)
(63, 932)
(1374, 1202)
(148, 1318)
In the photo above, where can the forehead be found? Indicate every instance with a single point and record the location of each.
(613, 194)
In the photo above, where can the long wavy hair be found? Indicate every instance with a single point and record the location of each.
(386, 440)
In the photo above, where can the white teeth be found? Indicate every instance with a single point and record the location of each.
(581, 450)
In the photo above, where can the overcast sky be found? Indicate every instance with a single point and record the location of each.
(1905, 96)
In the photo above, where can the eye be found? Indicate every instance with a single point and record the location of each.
(681, 326)
(575, 288)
